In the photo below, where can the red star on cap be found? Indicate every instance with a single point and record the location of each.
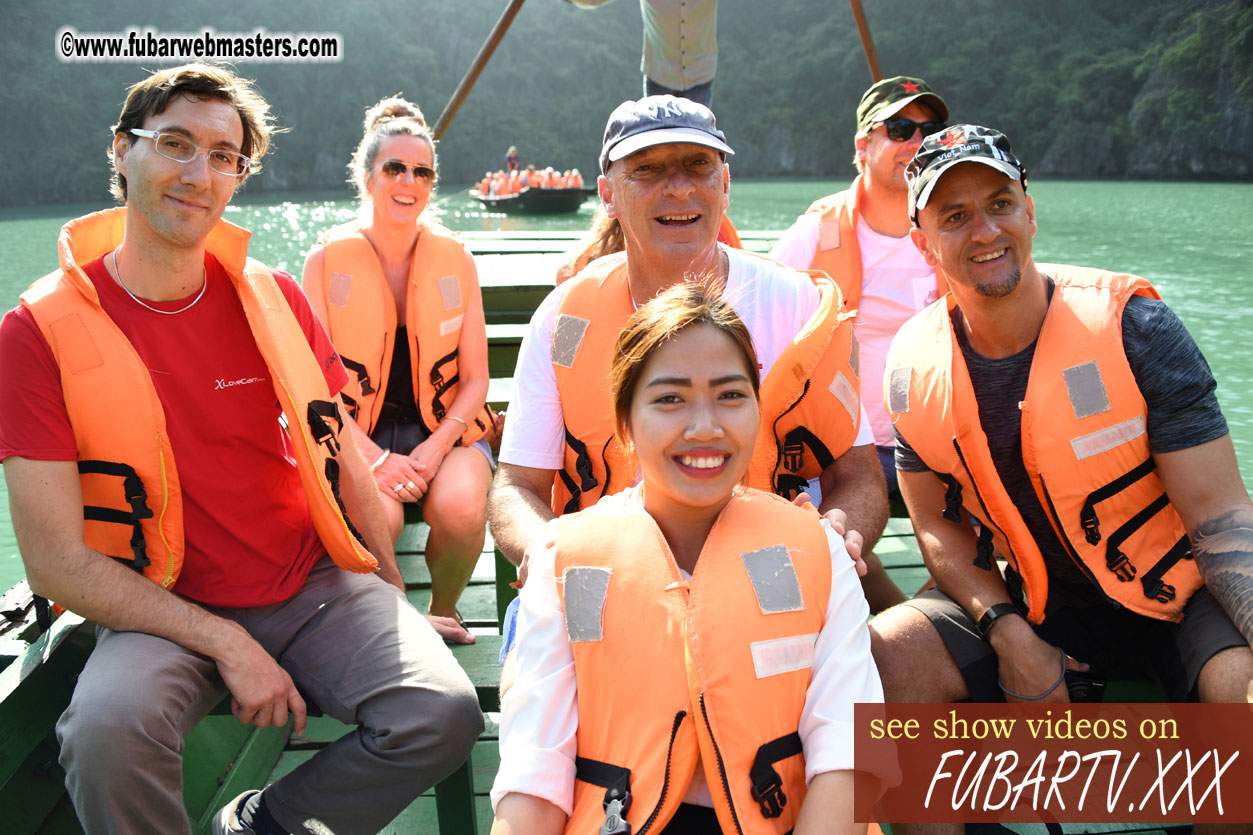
(954, 136)
(910, 87)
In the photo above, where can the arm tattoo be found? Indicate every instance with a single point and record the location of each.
(1223, 548)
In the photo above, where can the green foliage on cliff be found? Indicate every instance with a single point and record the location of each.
(1108, 88)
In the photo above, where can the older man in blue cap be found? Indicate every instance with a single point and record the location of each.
(664, 177)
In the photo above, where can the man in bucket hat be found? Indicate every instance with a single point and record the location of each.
(664, 177)
(860, 237)
(1055, 405)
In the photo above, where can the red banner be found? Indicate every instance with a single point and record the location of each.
(1077, 763)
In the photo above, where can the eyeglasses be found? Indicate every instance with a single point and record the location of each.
(902, 130)
(180, 149)
(396, 169)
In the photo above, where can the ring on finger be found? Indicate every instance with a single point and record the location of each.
(398, 488)
(411, 485)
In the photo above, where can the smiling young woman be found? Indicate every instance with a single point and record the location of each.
(399, 295)
(689, 650)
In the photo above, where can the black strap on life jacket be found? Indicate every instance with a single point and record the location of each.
(441, 385)
(788, 484)
(983, 548)
(616, 781)
(952, 498)
(363, 375)
(317, 414)
(1154, 588)
(136, 496)
(582, 468)
(767, 787)
(1087, 514)
(1117, 561)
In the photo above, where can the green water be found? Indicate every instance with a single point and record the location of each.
(1191, 240)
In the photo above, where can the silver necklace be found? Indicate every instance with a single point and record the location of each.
(203, 284)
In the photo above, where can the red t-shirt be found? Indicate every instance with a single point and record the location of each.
(249, 537)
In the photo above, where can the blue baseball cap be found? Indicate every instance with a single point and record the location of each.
(658, 120)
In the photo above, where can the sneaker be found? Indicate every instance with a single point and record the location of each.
(226, 821)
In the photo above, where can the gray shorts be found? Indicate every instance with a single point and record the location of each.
(1105, 637)
(403, 438)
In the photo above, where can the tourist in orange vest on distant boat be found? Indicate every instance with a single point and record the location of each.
(400, 298)
(740, 610)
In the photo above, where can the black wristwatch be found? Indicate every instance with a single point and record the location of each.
(993, 614)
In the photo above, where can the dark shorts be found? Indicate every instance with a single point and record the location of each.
(1102, 636)
(404, 437)
(887, 460)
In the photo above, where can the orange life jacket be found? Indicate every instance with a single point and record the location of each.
(727, 657)
(1084, 444)
(132, 502)
(361, 320)
(839, 251)
(810, 407)
(727, 233)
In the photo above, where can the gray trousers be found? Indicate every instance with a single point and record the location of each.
(352, 644)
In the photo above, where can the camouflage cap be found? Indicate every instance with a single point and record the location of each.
(888, 97)
(961, 143)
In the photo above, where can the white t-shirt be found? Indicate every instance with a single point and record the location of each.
(774, 303)
(539, 714)
(896, 284)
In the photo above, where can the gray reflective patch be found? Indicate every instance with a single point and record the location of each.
(774, 579)
(450, 290)
(828, 235)
(854, 357)
(585, 590)
(846, 392)
(1086, 390)
(898, 389)
(337, 293)
(567, 337)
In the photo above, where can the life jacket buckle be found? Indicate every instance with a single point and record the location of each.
(615, 813)
(1121, 565)
(1091, 525)
(1159, 591)
(771, 797)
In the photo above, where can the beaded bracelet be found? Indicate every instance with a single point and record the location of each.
(1053, 687)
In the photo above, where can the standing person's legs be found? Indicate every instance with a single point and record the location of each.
(122, 736)
(363, 655)
(455, 507)
(701, 93)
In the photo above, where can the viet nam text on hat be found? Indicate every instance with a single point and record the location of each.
(960, 143)
(658, 120)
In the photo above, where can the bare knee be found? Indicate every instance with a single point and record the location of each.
(457, 505)
(1227, 676)
(913, 662)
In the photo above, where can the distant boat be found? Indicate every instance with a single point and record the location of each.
(536, 201)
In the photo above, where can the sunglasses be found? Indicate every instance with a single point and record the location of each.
(396, 169)
(902, 130)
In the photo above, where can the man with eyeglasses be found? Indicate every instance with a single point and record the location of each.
(860, 237)
(179, 474)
